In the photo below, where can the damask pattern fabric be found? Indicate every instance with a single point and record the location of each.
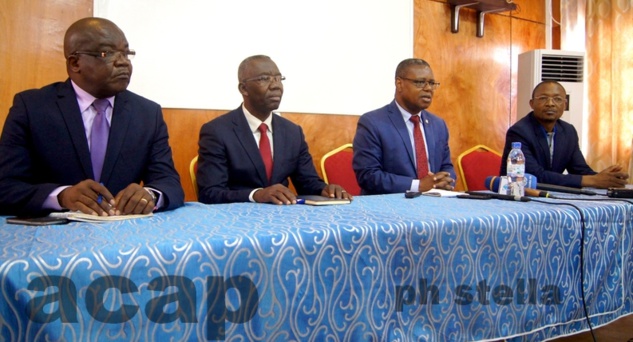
(383, 268)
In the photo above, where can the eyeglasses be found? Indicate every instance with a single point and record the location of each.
(545, 99)
(421, 84)
(109, 55)
(266, 79)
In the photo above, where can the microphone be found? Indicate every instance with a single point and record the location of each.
(492, 184)
(500, 196)
(565, 189)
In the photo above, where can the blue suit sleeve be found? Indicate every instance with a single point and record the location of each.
(369, 158)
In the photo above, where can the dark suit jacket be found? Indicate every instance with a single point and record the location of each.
(44, 146)
(567, 155)
(230, 166)
(384, 160)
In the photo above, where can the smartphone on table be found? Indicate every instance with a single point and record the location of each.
(37, 221)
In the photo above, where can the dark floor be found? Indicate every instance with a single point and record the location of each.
(618, 331)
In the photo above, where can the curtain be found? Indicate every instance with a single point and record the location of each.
(609, 61)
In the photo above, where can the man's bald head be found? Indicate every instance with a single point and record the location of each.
(96, 52)
(83, 32)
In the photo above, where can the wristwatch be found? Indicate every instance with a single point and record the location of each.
(153, 194)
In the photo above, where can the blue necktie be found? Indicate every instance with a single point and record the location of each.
(99, 137)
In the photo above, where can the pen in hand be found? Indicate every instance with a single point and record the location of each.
(99, 196)
(100, 199)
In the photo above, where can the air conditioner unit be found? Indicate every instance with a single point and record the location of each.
(566, 67)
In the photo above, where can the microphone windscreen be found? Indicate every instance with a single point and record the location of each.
(530, 181)
(492, 183)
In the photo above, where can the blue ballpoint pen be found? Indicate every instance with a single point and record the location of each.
(99, 197)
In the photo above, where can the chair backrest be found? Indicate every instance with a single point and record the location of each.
(193, 168)
(477, 163)
(336, 167)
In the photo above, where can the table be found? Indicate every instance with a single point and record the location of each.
(383, 268)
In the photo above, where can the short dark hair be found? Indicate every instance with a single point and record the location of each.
(242, 68)
(405, 64)
(546, 82)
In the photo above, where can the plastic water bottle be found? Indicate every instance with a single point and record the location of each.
(516, 171)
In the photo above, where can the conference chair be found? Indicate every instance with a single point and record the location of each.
(193, 167)
(477, 163)
(336, 167)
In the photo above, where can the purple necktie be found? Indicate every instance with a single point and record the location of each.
(99, 137)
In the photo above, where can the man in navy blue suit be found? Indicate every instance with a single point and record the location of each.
(386, 157)
(550, 145)
(46, 162)
(249, 153)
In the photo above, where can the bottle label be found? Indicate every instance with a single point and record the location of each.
(516, 170)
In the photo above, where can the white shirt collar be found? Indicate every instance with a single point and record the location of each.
(254, 122)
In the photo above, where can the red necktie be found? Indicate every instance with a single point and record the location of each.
(264, 149)
(420, 148)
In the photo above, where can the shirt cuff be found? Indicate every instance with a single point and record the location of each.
(415, 185)
(158, 203)
(250, 196)
(51, 201)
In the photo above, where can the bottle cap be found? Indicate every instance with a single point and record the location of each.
(516, 144)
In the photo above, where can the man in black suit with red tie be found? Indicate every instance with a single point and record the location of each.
(73, 144)
(249, 153)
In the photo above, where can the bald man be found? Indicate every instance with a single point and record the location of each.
(232, 164)
(87, 144)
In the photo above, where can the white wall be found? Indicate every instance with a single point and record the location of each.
(339, 56)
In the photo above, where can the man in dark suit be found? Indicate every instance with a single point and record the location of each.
(550, 145)
(49, 151)
(391, 152)
(249, 153)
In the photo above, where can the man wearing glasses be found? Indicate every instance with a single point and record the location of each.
(249, 153)
(550, 145)
(402, 146)
(73, 144)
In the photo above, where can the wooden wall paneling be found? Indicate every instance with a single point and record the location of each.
(530, 10)
(556, 28)
(325, 132)
(475, 92)
(527, 35)
(31, 49)
(184, 131)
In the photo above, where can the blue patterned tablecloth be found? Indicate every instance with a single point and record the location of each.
(383, 268)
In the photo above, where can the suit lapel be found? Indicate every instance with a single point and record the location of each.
(69, 108)
(541, 141)
(121, 116)
(279, 137)
(245, 137)
(398, 123)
